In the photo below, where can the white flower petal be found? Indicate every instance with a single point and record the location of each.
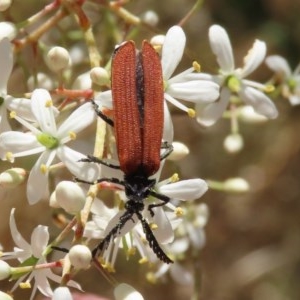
(221, 47)
(185, 189)
(17, 142)
(42, 283)
(39, 240)
(168, 132)
(194, 91)
(254, 58)
(21, 106)
(208, 114)
(16, 236)
(259, 101)
(43, 113)
(84, 170)
(164, 232)
(105, 99)
(6, 63)
(37, 184)
(172, 50)
(116, 219)
(78, 120)
(279, 64)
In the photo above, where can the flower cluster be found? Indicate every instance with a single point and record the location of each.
(49, 128)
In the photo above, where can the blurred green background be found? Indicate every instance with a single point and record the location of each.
(253, 240)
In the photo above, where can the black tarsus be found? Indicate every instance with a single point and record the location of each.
(101, 114)
(152, 240)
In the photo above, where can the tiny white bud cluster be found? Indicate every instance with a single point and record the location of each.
(69, 196)
(80, 256)
(5, 271)
(99, 76)
(58, 59)
(151, 18)
(13, 177)
(5, 4)
(7, 29)
(62, 293)
(236, 185)
(233, 143)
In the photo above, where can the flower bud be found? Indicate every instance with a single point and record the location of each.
(5, 271)
(4, 296)
(7, 29)
(62, 293)
(151, 18)
(233, 143)
(180, 150)
(99, 76)
(13, 177)
(126, 292)
(247, 114)
(5, 4)
(58, 58)
(157, 41)
(236, 185)
(80, 256)
(70, 197)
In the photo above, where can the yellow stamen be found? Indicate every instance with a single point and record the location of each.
(269, 88)
(151, 277)
(179, 211)
(131, 251)
(196, 66)
(72, 135)
(44, 168)
(12, 114)
(143, 260)
(25, 285)
(191, 112)
(49, 103)
(175, 177)
(9, 156)
(153, 226)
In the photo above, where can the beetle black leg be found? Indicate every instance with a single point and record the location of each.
(94, 159)
(153, 243)
(102, 115)
(164, 198)
(169, 149)
(113, 233)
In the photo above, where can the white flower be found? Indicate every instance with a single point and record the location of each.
(50, 141)
(33, 254)
(232, 80)
(290, 81)
(166, 218)
(7, 102)
(179, 87)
